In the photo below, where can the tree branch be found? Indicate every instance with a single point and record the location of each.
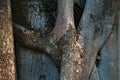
(64, 17)
(33, 40)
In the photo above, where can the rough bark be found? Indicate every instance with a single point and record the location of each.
(7, 66)
(36, 51)
(72, 54)
(77, 49)
(50, 45)
(98, 21)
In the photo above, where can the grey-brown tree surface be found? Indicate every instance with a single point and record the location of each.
(7, 65)
(49, 45)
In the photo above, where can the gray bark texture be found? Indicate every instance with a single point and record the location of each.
(118, 29)
(7, 66)
(49, 45)
(98, 21)
(37, 56)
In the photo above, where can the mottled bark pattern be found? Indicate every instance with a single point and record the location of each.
(72, 58)
(36, 52)
(28, 37)
(7, 71)
(38, 15)
(77, 48)
(96, 24)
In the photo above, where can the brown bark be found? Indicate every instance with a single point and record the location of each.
(7, 71)
(53, 44)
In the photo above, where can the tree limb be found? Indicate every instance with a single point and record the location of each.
(32, 40)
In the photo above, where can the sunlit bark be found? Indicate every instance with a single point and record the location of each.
(7, 64)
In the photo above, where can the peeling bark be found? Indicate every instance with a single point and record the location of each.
(7, 66)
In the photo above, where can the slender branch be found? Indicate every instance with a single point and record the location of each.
(64, 17)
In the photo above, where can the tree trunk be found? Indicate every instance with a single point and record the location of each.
(98, 21)
(7, 66)
(73, 52)
(35, 56)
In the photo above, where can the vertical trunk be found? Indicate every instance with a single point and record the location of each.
(78, 53)
(119, 42)
(97, 22)
(64, 18)
(71, 49)
(7, 71)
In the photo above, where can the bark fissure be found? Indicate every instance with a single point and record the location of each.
(115, 22)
